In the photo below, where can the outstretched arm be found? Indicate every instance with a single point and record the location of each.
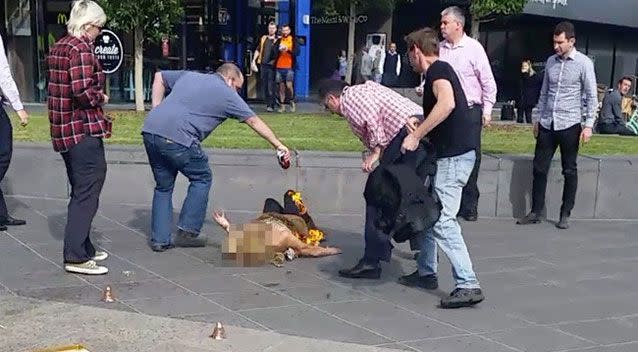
(221, 219)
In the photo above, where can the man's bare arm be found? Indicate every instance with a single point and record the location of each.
(259, 126)
(444, 106)
(158, 90)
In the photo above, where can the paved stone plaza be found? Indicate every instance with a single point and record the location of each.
(546, 290)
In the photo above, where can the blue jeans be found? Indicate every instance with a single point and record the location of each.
(451, 176)
(166, 159)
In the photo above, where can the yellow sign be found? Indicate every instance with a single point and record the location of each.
(62, 19)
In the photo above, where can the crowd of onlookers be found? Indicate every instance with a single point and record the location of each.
(617, 110)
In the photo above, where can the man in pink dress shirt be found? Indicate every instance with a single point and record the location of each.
(468, 58)
(380, 118)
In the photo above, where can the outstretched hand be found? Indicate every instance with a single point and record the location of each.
(220, 218)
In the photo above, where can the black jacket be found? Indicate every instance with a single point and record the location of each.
(530, 90)
(396, 189)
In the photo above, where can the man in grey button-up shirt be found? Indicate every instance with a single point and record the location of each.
(569, 81)
(568, 93)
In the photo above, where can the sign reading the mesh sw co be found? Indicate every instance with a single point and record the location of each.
(108, 49)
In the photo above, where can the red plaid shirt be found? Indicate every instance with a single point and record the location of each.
(76, 83)
(376, 113)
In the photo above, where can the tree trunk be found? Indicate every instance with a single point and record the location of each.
(139, 67)
(476, 34)
(351, 28)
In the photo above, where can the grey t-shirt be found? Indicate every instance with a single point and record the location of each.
(196, 105)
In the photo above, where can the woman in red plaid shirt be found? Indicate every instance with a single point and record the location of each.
(78, 124)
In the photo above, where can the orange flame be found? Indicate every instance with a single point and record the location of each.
(314, 237)
(296, 197)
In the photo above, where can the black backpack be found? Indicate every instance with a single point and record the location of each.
(405, 206)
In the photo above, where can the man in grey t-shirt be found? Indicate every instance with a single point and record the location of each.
(611, 119)
(173, 131)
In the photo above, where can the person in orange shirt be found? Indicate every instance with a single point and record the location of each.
(287, 49)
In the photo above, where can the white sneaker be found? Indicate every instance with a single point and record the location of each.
(88, 268)
(100, 256)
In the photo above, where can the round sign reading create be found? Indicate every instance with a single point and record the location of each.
(108, 49)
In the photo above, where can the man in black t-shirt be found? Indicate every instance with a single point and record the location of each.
(455, 137)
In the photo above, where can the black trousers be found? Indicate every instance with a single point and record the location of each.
(6, 150)
(86, 169)
(268, 84)
(546, 143)
(613, 128)
(524, 112)
(378, 246)
(471, 194)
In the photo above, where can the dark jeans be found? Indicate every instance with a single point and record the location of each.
(526, 112)
(613, 128)
(471, 194)
(546, 143)
(167, 158)
(268, 84)
(6, 150)
(86, 169)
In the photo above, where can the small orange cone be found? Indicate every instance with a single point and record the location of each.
(108, 295)
(219, 333)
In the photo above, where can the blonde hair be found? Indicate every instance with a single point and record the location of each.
(531, 68)
(83, 13)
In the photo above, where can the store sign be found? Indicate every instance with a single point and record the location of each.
(622, 13)
(108, 49)
(223, 16)
(552, 3)
(338, 19)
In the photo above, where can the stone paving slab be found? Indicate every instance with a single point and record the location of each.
(547, 290)
(30, 324)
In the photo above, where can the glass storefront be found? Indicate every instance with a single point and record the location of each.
(213, 32)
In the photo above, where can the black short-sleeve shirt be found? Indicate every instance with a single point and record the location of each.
(457, 134)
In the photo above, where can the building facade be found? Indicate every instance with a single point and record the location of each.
(216, 31)
(212, 32)
(605, 33)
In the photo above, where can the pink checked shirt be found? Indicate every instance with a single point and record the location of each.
(469, 60)
(376, 113)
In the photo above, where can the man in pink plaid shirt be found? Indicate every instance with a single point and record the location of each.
(377, 115)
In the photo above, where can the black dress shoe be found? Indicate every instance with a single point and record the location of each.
(3, 228)
(428, 282)
(531, 218)
(9, 221)
(470, 217)
(362, 270)
(156, 247)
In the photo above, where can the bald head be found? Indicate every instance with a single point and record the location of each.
(232, 75)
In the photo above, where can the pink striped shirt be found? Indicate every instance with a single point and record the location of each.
(469, 60)
(376, 113)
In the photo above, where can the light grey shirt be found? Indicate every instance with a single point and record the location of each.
(569, 92)
(7, 84)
